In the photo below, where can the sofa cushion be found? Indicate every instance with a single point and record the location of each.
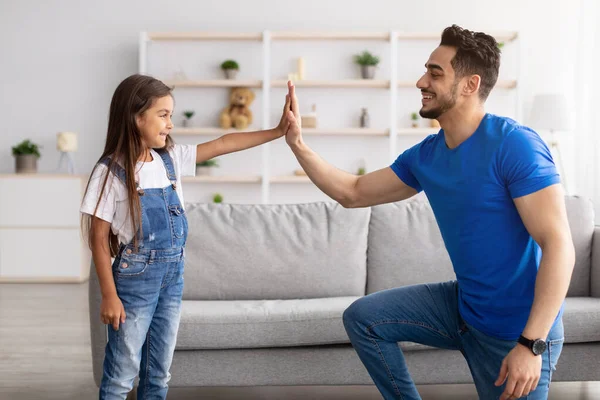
(580, 213)
(405, 246)
(581, 319)
(262, 323)
(259, 252)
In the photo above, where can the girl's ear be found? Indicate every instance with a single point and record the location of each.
(139, 120)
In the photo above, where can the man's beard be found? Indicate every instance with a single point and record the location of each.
(446, 104)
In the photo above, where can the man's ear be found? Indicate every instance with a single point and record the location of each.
(473, 85)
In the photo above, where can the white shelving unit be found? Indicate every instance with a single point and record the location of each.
(392, 84)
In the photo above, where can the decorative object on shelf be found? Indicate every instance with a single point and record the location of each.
(500, 45)
(217, 198)
(434, 123)
(300, 172)
(66, 143)
(365, 120)
(300, 68)
(552, 112)
(26, 155)
(230, 68)
(188, 114)
(368, 63)
(179, 74)
(309, 120)
(362, 168)
(205, 168)
(238, 114)
(414, 117)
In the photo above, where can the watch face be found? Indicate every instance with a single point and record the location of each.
(539, 346)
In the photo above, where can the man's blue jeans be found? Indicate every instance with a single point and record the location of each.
(428, 314)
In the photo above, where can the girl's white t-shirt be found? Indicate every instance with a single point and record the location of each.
(114, 207)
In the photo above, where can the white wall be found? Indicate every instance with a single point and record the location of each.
(61, 60)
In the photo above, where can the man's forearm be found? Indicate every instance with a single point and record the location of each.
(551, 288)
(332, 181)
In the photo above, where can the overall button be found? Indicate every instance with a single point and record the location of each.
(125, 265)
(128, 251)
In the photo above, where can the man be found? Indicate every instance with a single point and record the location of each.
(498, 202)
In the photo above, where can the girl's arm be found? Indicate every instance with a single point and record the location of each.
(237, 141)
(111, 308)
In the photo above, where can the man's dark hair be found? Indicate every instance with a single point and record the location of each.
(476, 54)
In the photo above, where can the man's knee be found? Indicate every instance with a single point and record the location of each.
(356, 314)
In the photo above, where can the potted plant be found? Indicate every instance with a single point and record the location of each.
(230, 68)
(415, 119)
(205, 167)
(188, 114)
(361, 171)
(217, 198)
(368, 62)
(26, 155)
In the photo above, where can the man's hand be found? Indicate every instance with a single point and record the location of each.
(523, 370)
(294, 133)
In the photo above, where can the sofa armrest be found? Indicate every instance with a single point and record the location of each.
(595, 267)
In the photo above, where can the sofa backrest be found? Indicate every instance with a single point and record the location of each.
(243, 252)
(405, 245)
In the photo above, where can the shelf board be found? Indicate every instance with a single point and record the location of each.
(505, 84)
(215, 83)
(499, 36)
(330, 36)
(290, 179)
(345, 132)
(222, 179)
(345, 83)
(416, 131)
(208, 131)
(299, 35)
(204, 36)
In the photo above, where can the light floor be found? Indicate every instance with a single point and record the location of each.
(45, 354)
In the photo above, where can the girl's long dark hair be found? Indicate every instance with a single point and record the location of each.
(124, 146)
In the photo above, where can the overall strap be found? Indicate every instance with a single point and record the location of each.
(169, 166)
(119, 171)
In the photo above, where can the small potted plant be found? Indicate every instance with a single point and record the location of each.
(361, 171)
(188, 114)
(415, 120)
(230, 68)
(205, 167)
(217, 198)
(26, 155)
(368, 63)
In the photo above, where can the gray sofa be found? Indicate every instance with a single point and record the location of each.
(266, 286)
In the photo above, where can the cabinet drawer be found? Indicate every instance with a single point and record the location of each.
(41, 253)
(40, 202)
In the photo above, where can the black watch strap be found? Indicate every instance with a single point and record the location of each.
(537, 346)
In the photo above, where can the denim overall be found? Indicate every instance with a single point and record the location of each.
(149, 283)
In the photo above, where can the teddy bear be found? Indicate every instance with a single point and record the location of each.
(238, 114)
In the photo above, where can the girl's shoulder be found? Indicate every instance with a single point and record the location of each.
(113, 181)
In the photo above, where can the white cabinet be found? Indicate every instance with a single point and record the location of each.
(40, 234)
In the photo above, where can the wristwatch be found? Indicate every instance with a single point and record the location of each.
(537, 346)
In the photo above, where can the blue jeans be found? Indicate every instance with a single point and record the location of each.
(150, 285)
(428, 314)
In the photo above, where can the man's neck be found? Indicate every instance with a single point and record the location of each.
(459, 125)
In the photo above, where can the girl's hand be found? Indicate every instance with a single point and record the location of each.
(112, 311)
(294, 133)
(284, 124)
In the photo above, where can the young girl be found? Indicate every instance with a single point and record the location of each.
(133, 210)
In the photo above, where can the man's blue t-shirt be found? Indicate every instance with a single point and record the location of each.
(471, 190)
